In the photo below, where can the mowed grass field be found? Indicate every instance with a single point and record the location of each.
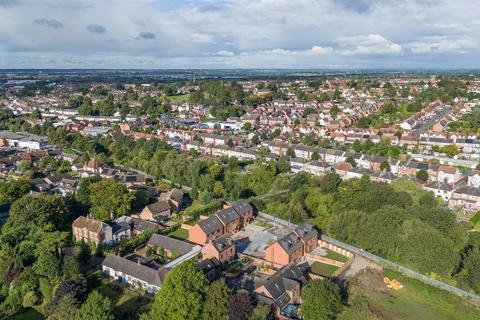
(369, 298)
(179, 98)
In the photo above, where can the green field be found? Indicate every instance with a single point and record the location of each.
(180, 234)
(335, 256)
(323, 269)
(369, 298)
(179, 98)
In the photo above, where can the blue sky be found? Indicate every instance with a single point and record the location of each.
(326, 34)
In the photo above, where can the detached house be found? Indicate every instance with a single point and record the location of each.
(99, 232)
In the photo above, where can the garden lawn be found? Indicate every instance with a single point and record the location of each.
(370, 299)
(180, 234)
(335, 256)
(323, 269)
(179, 98)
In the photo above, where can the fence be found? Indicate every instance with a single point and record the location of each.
(367, 255)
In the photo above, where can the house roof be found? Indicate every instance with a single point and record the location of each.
(290, 243)
(223, 243)
(285, 279)
(135, 270)
(158, 207)
(172, 245)
(448, 169)
(91, 224)
(210, 225)
(306, 231)
(227, 215)
(242, 207)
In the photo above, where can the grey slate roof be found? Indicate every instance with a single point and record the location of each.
(172, 245)
(242, 207)
(210, 225)
(284, 280)
(136, 270)
(222, 243)
(227, 215)
(306, 231)
(290, 243)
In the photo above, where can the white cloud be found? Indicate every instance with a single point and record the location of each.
(223, 53)
(368, 44)
(443, 44)
(265, 33)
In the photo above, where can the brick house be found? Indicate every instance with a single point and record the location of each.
(281, 289)
(157, 212)
(228, 220)
(205, 231)
(87, 229)
(222, 248)
(292, 247)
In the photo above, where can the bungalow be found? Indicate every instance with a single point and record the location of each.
(222, 249)
(133, 273)
(172, 248)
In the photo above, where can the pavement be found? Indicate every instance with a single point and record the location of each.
(358, 264)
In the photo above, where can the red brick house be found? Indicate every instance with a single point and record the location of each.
(222, 249)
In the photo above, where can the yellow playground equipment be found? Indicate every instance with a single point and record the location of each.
(392, 284)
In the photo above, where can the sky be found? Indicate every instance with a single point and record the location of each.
(296, 34)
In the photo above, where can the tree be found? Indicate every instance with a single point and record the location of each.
(82, 195)
(65, 309)
(451, 150)
(216, 301)
(422, 174)
(97, 307)
(42, 210)
(70, 287)
(47, 264)
(13, 190)
(321, 300)
(82, 252)
(351, 161)
(182, 294)
(334, 111)
(230, 143)
(260, 312)
(110, 199)
(71, 269)
(315, 156)
(357, 146)
(385, 166)
(329, 182)
(290, 153)
(469, 276)
(240, 306)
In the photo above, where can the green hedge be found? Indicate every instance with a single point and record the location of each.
(206, 209)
